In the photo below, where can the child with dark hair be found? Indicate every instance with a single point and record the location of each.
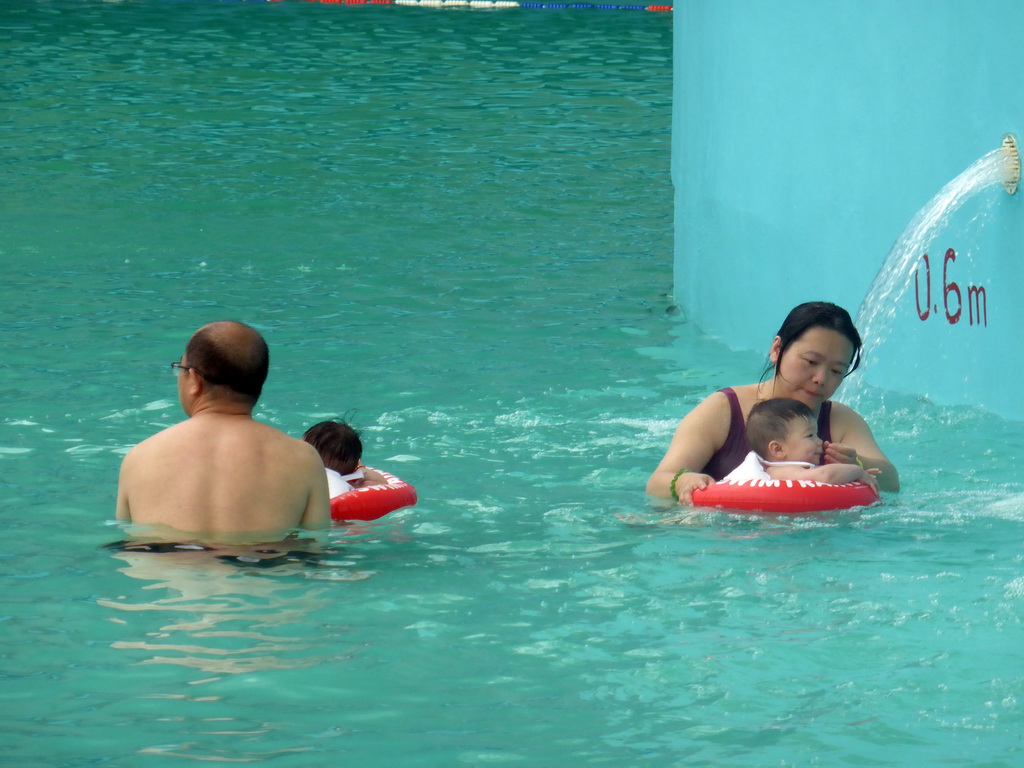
(341, 451)
(784, 443)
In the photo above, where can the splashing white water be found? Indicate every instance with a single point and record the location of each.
(895, 276)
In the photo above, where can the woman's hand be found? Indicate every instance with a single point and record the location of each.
(689, 482)
(837, 453)
(881, 472)
(852, 430)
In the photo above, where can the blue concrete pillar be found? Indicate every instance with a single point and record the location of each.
(807, 135)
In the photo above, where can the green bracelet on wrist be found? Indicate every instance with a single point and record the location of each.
(859, 462)
(672, 488)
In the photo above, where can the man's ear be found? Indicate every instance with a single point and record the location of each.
(196, 384)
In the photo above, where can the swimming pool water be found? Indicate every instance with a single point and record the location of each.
(454, 227)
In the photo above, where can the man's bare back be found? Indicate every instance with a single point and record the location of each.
(221, 472)
(217, 473)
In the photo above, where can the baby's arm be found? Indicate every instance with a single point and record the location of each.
(829, 473)
(370, 477)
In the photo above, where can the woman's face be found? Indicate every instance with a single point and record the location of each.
(813, 366)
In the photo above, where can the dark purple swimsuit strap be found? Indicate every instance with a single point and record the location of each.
(825, 421)
(729, 456)
(735, 448)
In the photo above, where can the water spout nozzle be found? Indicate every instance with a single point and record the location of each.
(1012, 164)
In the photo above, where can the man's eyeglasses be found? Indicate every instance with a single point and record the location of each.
(177, 368)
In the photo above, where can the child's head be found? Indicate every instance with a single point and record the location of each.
(337, 443)
(782, 429)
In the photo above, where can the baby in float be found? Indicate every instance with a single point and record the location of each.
(341, 450)
(784, 443)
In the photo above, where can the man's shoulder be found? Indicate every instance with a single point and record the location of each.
(286, 444)
(165, 436)
(218, 436)
(273, 434)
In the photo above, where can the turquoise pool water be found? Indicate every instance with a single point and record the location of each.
(456, 228)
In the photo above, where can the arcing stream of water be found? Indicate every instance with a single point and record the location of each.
(900, 268)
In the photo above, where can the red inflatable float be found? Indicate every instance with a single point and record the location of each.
(373, 501)
(784, 497)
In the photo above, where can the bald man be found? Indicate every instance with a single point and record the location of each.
(219, 471)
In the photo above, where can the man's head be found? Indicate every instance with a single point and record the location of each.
(231, 357)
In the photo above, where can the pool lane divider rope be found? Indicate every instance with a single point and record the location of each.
(487, 4)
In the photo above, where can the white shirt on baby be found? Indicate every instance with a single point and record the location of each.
(753, 468)
(337, 483)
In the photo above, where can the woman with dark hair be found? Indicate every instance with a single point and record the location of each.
(814, 350)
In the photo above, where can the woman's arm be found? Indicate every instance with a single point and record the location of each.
(701, 432)
(855, 441)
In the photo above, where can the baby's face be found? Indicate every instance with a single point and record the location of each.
(802, 442)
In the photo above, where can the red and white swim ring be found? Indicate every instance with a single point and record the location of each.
(784, 497)
(373, 501)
